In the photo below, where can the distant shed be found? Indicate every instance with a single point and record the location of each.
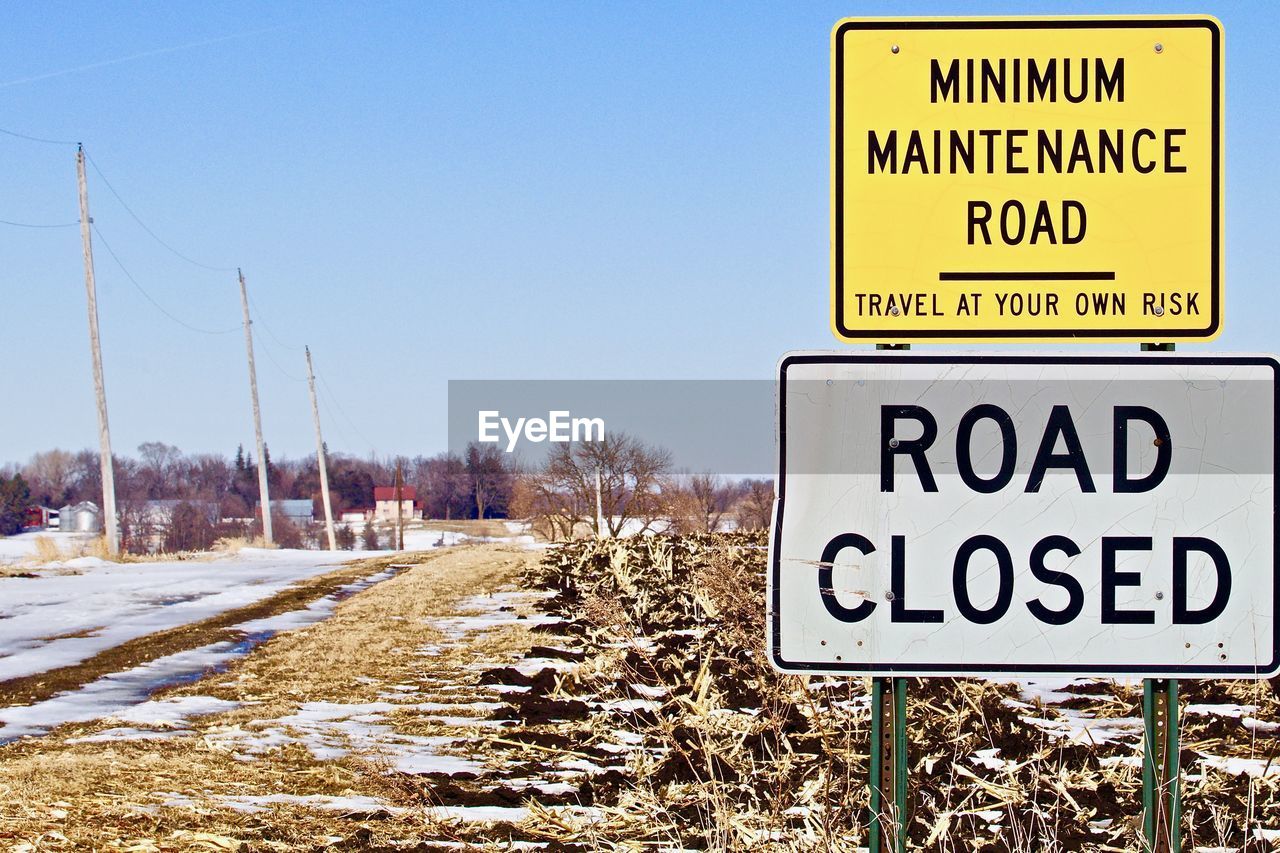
(84, 517)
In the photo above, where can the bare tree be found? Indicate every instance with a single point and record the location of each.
(553, 513)
(51, 476)
(631, 477)
(755, 506)
(698, 503)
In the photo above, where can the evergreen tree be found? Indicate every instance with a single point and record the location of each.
(15, 500)
(370, 536)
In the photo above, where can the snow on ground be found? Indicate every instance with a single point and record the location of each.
(58, 620)
(20, 548)
(123, 695)
(417, 539)
(330, 730)
(359, 804)
(112, 694)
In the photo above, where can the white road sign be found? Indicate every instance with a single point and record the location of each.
(958, 514)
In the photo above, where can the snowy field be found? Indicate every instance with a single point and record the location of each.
(22, 548)
(59, 619)
(77, 607)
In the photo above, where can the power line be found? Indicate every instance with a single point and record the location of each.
(144, 226)
(39, 225)
(149, 298)
(36, 138)
(277, 364)
(333, 398)
(261, 318)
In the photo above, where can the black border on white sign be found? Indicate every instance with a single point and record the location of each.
(978, 669)
(1215, 194)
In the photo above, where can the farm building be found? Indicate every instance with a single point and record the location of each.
(84, 517)
(384, 503)
(160, 513)
(41, 518)
(300, 512)
(355, 514)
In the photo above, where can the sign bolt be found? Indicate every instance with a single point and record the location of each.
(889, 596)
(1159, 596)
(893, 442)
(895, 49)
(894, 311)
(1159, 311)
(1159, 47)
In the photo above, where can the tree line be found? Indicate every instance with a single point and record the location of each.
(617, 486)
(450, 486)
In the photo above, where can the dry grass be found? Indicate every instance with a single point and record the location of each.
(485, 528)
(33, 688)
(234, 544)
(111, 796)
(47, 550)
(757, 760)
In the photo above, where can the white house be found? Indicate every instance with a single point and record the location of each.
(384, 503)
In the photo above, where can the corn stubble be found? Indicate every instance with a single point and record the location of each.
(741, 757)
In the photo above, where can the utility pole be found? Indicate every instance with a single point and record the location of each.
(264, 498)
(399, 508)
(99, 387)
(320, 460)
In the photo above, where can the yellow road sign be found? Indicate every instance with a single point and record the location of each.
(1027, 179)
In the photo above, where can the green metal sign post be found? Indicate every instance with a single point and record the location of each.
(1161, 743)
(888, 801)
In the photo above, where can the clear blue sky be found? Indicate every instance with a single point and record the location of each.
(434, 191)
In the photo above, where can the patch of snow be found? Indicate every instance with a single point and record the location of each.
(331, 730)
(480, 613)
(123, 734)
(1051, 691)
(624, 736)
(251, 804)
(1259, 725)
(1253, 767)
(316, 611)
(504, 814)
(1227, 710)
(987, 758)
(581, 764)
(648, 691)
(542, 786)
(418, 539)
(174, 712)
(55, 621)
(1122, 761)
(22, 547)
(628, 706)
(112, 695)
(1078, 727)
(465, 722)
(532, 666)
(481, 707)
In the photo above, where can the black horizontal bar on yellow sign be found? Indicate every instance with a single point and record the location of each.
(1026, 276)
